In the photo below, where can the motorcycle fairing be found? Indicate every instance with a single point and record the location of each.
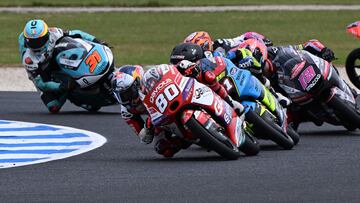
(249, 88)
(354, 28)
(202, 94)
(83, 60)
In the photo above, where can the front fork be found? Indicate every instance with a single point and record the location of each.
(339, 87)
(234, 130)
(273, 106)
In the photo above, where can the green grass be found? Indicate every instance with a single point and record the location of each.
(148, 38)
(163, 2)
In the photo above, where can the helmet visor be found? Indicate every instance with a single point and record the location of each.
(128, 95)
(37, 44)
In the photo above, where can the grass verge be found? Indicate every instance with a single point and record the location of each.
(156, 3)
(147, 38)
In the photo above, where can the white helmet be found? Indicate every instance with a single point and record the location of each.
(126, 84)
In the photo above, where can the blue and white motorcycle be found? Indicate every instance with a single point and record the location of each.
(266, 117)
(90, 65)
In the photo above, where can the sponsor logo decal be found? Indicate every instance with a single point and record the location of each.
(233, 71)
(158, 89)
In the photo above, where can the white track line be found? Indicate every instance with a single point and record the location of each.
(55, 140)
(180, 9)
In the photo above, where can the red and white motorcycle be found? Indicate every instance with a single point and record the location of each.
(192, 111)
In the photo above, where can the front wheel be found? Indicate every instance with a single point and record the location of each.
(352, 66)
(346, 111)
(214, 139)
(250, 146)
(267, 128)
(293, 134)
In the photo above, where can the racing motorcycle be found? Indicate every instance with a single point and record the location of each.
(90, 66)
(352, 64)
(192, 111)
(266, 117)
(317, 91)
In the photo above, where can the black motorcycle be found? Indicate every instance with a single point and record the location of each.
(316, 90)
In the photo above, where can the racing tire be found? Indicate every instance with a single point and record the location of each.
(272, 130)
(347, 113)
(209, 139)
(351, 67)
(250, 147)
(94, 109)
(293, 134)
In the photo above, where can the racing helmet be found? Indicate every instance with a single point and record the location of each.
(186, 51)
(126, 84)
(36, 34)
(151, 77)
(257, 48)
(201, 38)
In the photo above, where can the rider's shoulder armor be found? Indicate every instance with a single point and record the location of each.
(56, 33)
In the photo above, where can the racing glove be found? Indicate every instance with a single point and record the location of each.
(267, 42)
(246, 63)
(239, 108)
(70, 85)
(188, 68)
(146, 134)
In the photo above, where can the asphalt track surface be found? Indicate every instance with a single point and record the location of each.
(324, 167)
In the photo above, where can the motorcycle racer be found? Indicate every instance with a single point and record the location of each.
(278, 57)
(36, 44)
(252, 53)
(127, 85)
(222, 46)
(184, 57)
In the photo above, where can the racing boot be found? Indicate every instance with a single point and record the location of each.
(169, 146)
(284, 101)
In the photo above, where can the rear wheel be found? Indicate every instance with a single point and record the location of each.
(346, 111)
(353, 67)
(214, 140)
(269, 129)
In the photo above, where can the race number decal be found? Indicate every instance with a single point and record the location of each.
(306, 76)
(227, 84)
(93, 60)
(169, 94)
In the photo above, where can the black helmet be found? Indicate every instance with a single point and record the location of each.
(186, 51)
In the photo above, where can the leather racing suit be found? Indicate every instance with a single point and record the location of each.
(164, 143)
(37, 65)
